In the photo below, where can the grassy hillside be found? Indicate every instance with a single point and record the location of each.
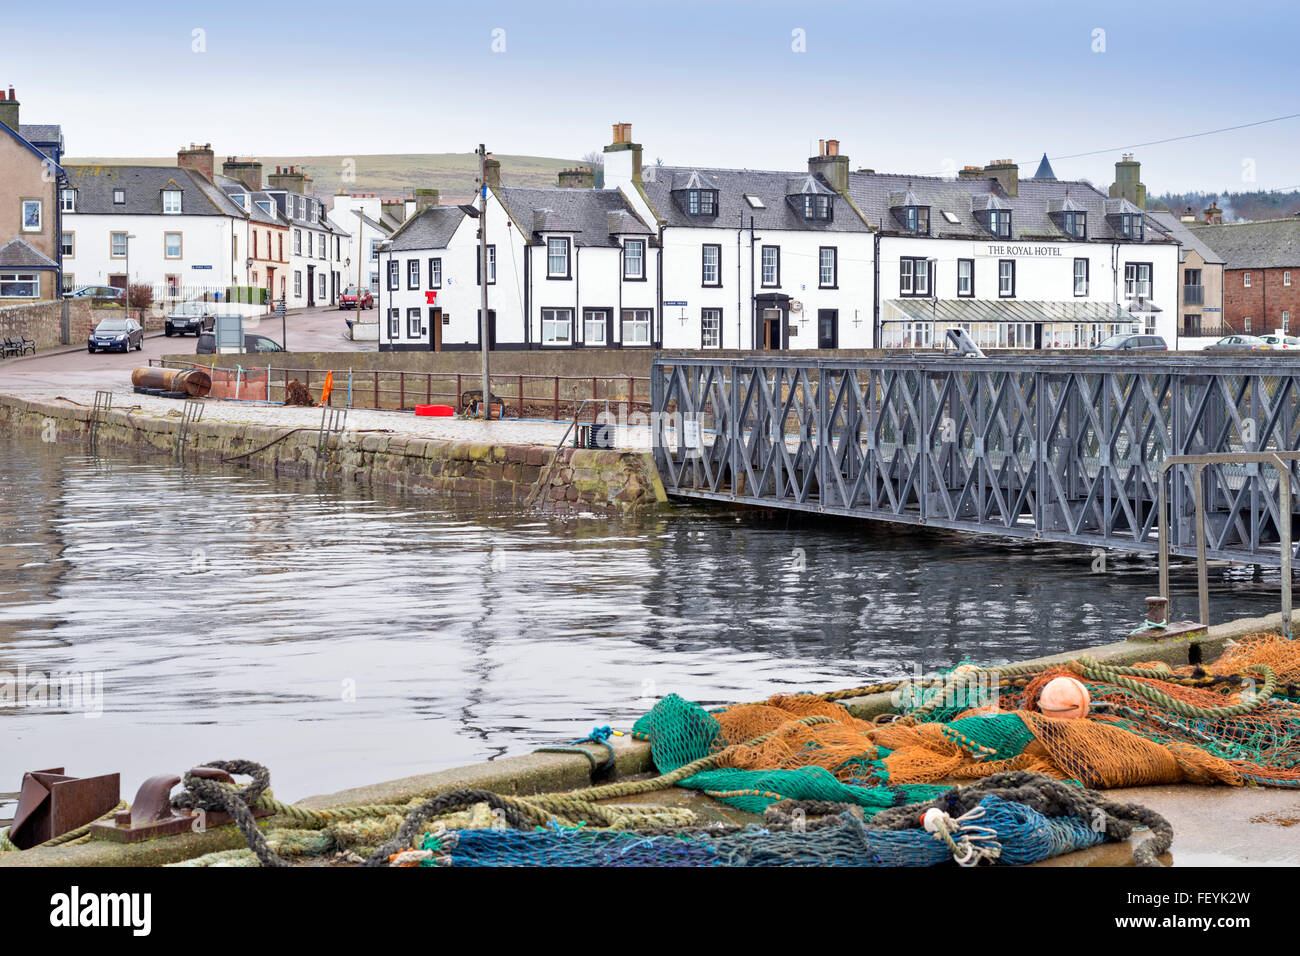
(395, 174)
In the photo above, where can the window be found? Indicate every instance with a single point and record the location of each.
(68, 200)
(816, 207)
(32, 217)
(117, 245)
(264, 205)
(413, 323)
(1245, 324)
(1286, 321)
(634, 259)
(69, 283)
(172, 245)
(557, 258)
(297, 242)
(315, 211)
(1000, 222)
(374, 282)
(771, 266)
(917, 219)
(119, 197)
(1245, 280)
(67, 245)
(1137, 280)
(394, 323)
(171, 201)
(827, 267)
(374, 250)
(1080, 276)
(320, 286)
(966, 277)
(435, 273)
(174, 285)
(393, 275)
(1286, 278)
(1130, 225)
(1075, 224)
(913, 276)
(491, 263)
(254, 243)
(413, 273)
(280, 246)
(636, 326)
(297, 284)
(557, 326)
(711, 265)
(710, 328)
(20, 285)
(595, 323)
(1006, 278)
(701, 202)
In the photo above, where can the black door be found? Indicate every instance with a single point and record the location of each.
(492, 328)
(828, 328)
(311, 286)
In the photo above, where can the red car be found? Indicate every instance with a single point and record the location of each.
(348, 300)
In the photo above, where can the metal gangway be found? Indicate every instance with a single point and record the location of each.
(1066, 449)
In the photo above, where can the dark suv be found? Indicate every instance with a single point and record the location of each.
(252, 343)
(186, 317)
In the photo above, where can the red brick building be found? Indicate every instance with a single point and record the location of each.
(1261, 277)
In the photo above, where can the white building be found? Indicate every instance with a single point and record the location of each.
(318, 247)
(182, 233)
(369, 224)
(568, 267)
(1018, 263)
(751, 259)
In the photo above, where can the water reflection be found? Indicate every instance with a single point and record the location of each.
(342, 637)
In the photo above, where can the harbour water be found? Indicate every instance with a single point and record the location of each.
(341, 636)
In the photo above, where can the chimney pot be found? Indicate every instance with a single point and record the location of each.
(832, 147)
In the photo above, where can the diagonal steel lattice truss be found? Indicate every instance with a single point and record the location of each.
(1053, 449)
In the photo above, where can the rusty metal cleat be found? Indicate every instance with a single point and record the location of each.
(51, 803)
(152, 814)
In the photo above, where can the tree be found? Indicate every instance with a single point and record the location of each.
(595, 159)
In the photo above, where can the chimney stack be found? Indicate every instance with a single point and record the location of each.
(198, 158)
(290, 177)
(395, 208)
(9, 109)
(425, 199)
(579, 177)
(1007, 173)
(247, 171)
(622, 159)
(1128, 182)
(971, 172)
(492, 171)
(1213, 215)
(830, 166)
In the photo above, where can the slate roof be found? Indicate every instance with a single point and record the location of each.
(432, 228)
(583, 212)
(289, 210)
(733, 185)
(1188, 239)
(19, 254)
(143, 186)
(232, 187)
(961, 197)
(378, 226)
(47, 137)
(1044, 170)
(1266, 244)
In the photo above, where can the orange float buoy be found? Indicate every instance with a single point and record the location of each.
(1064, 697)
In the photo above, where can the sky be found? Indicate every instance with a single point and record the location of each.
(923, 88)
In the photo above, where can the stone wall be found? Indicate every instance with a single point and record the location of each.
(42, 322)
(580, 480)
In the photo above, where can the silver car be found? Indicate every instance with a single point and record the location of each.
(1238, 343)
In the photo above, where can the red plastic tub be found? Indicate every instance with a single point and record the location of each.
(436, 411)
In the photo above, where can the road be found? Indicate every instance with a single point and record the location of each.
(313, 330)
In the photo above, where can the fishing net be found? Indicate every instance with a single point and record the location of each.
(998, 830)
(1233, 722)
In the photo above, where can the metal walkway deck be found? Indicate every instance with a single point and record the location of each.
(1052, 449)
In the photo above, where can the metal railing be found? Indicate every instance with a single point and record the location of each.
(1193, 295)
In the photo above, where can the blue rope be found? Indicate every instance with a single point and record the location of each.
(598, 735)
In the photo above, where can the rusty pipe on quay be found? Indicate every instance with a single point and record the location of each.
(195, 382)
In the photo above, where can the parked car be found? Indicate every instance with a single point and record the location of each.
(110, 292)
(348, 300)
(252, 343)
(1281, 341)
(1238, 343)
(124, 334)
(194, 316)
(1134, 343)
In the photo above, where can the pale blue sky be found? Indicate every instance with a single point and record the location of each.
(905, 87)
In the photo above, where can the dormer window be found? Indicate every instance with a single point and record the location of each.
(1075, 224)
(1130, 225)
(1000, 223)
(242, 200)
(701, 202)
(119, 197)
(816, 207)
(68, 200)
(917, 219)
(171, 201)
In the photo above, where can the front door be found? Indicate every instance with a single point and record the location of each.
(491, 330)
(435, 330)
(828, 328)
(311, 286)
(772, 328)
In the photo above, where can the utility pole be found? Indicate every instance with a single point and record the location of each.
(485, 404)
